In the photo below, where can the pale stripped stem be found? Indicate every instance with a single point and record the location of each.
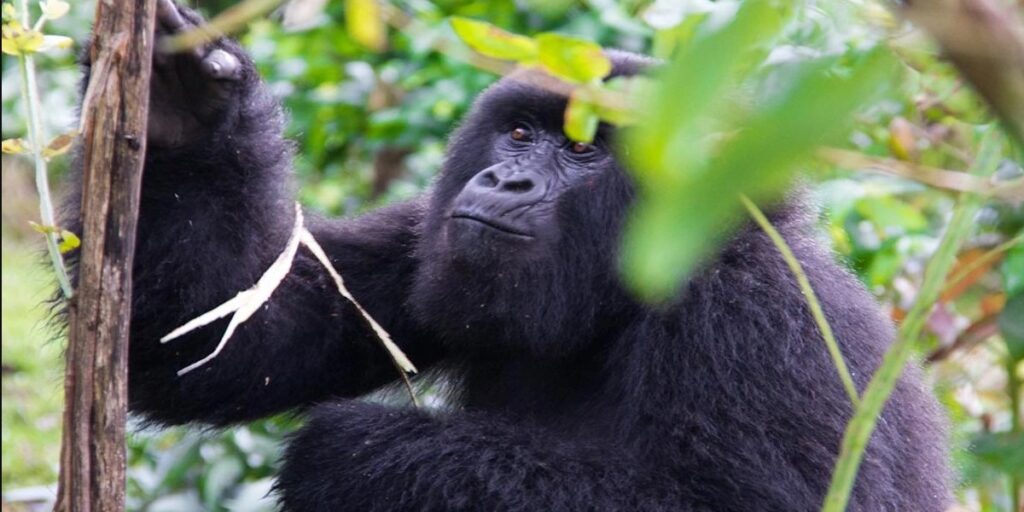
(865, 417)
(809, 296)
(247, 302)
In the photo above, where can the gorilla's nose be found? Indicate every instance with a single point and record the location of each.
(503, 187)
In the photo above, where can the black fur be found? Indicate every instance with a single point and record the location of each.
(572, 396)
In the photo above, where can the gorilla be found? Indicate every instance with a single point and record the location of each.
(567, 392)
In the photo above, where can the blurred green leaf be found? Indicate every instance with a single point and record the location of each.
(682, 211)
(1012, 270)
(494, 42)
(1011, 324)
(364, 23)
(1002, 450)
(580, 118)
(889, 212)
(572, 59)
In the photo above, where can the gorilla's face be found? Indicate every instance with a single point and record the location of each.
(510, 177)
(519, 245)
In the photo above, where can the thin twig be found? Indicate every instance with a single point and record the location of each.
(953, 281)
(933, 176)
(809, 295)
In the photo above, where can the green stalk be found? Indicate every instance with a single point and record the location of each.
(1014, 388)
(35, 133)
(809, 295)
(858, 432)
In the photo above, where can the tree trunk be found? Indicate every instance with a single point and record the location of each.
(114, 114)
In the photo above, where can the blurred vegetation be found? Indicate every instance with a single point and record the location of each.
(370, 128)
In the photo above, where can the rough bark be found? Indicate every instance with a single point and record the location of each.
(114, 113)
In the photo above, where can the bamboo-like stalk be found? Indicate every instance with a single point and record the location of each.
(865, 417)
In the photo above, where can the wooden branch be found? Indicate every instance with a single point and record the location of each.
(984, 39)
(92, 472)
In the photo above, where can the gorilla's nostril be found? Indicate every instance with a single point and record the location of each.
(517, 185)
(487, 179)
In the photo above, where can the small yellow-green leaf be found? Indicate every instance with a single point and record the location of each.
(53, 9)
(580, 118)
(492, 41)
(572, 59)
(68, 242)
(44, 229)
(18, 40)
(59, 145)
(364, 23)
(9, 13)
(55, 42)
(15, 146)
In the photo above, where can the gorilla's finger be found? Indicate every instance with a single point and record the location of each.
(221, 65)
(168, 16)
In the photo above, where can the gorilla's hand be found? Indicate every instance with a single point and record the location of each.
(192, 92)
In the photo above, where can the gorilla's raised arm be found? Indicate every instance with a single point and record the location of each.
(216, 210)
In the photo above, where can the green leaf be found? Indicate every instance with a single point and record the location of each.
(580, 118)
(492, 41)
(1011, 324)
(68, 242)
(889, 212)
(573, 59)
(1001, 450)
(18, 40)
(1012, 270)
(693, 85)
(688, 202)
(364, 23)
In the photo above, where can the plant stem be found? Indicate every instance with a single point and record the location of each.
(1013, 386)
(809, 295)
(858, 432)
(35, 133)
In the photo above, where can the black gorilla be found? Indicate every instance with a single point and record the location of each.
(572, 395)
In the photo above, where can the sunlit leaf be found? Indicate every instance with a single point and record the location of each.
(494, 42)
(59, 145)
(68, 242)
(18, 40)
(572, 59)
(54, 9)
(890, 213)
(51, 42)
(364, 23)
(683, 213)
(10, 14)
(14, 146)
(580, 118)
(44, 229)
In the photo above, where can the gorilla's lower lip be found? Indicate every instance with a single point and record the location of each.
(498, 226)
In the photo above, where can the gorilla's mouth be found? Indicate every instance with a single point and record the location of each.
(491, 223)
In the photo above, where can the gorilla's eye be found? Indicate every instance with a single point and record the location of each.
(520, 134)
(581, 148)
